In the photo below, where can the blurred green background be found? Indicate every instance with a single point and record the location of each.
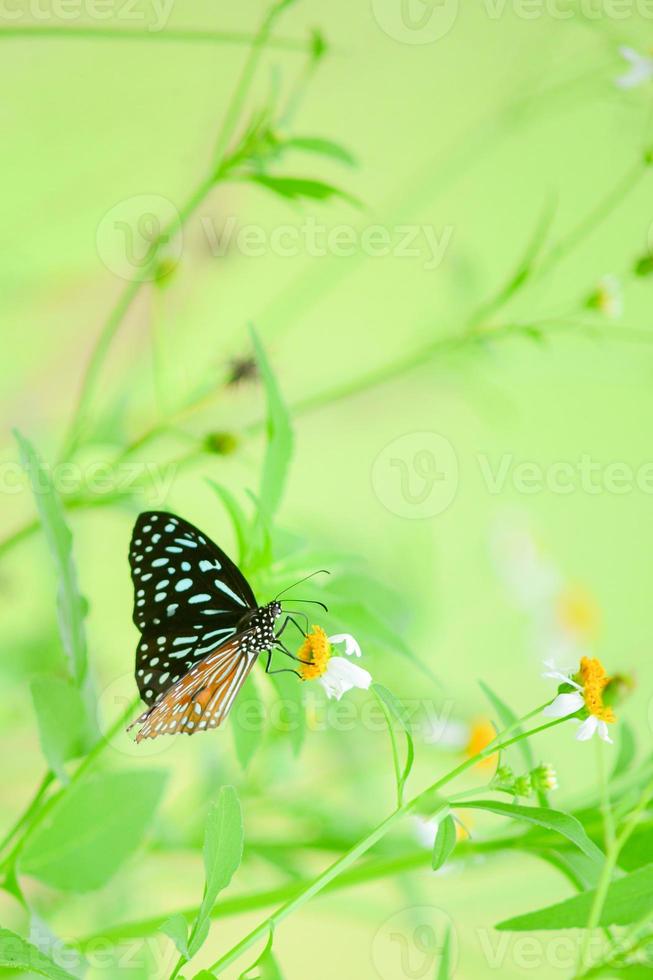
(480, 135)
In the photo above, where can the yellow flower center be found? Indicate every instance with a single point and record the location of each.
(594, 679)
(316, 652)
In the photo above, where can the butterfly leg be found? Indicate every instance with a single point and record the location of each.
(289, 619)
(281, 670)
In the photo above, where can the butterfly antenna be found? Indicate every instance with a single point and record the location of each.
(315, 602)
(320, 571)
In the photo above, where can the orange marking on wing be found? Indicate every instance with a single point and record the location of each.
(202, 698)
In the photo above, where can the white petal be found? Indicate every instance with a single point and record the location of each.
(602, 729)
(629, 54)
(563, 705)
(351, 646)
(425, 830)
(641, 69)
(559, 675)
(587, 729)
(341, 675)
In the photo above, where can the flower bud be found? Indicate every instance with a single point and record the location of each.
(220, 443)
(523, 786)
(544, 778)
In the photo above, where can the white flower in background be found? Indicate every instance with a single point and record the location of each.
(529, 578)
(640, 71)
(447, 733)
(425, 829)
(337, 675)
(563, 617)
(607, 298)
(586, 696)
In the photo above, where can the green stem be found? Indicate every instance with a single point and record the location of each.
(395, 751)
(29, 811)
(249, 69)
(33, 818)
(516, 725)
(609, 864)
(347, 859)
(606, 806)
(170, 36)
(130, 292)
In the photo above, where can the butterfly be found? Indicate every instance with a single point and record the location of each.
(202, 629)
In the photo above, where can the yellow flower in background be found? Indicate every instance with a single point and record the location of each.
(578, 612)
(482, 732)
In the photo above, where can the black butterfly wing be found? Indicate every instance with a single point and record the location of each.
(189, 598)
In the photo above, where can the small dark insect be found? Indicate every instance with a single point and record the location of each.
(242, 369)
(201, 627)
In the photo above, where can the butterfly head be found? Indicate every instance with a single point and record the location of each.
(274, 608)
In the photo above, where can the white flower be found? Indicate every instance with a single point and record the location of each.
(641, 69)
(585, 697)
(557, 674)
(590, 726)
(565, 704)
(351, 646)
(340, 674)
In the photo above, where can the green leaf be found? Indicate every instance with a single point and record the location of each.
(444, 971)
(223, 851)
(17, 954)
(71, 604)
(507, 717)
(266, 965)
(323, 147)
(628, 900)
(238, 518)
(445, 841)
(638, 849)
(65, 729)
(561, 823)
(302, 188)
(176, 928)
(292, 719)
(93, 829)
(279, 436)
(247, 722)
(627, 750)
(397, 711)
